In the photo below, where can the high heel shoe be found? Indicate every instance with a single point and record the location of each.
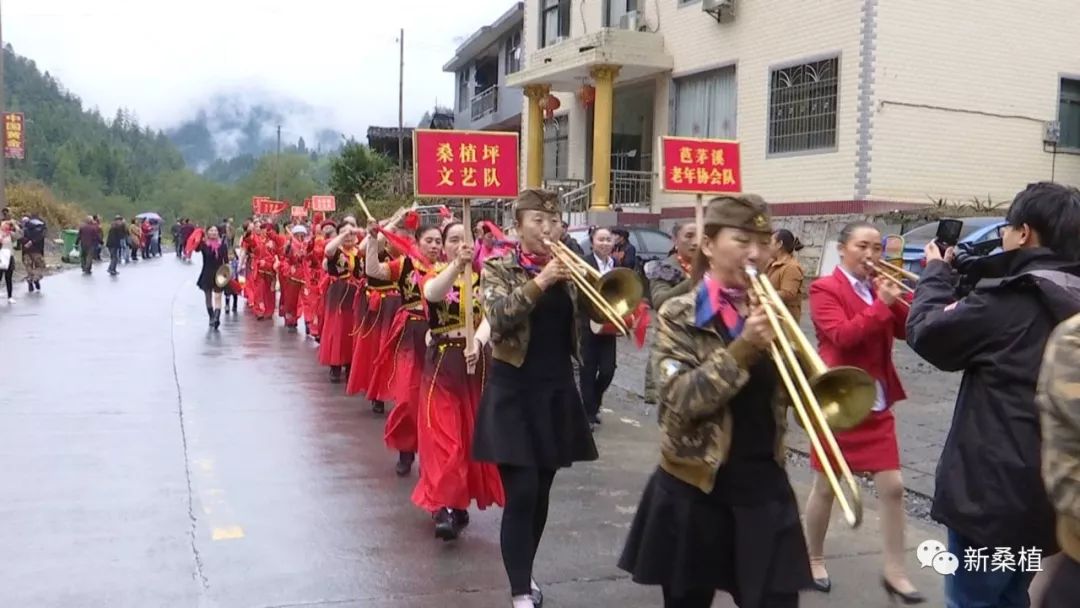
(908, 599)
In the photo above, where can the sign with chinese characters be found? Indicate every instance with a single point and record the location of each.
(262, 205)
(14, 135)
(465, 164)
(298, 211)
(323, 203)
(700, 166)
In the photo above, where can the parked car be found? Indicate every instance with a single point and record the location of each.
(651, 245)
(976, 230)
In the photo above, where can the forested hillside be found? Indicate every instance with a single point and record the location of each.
(116, 165)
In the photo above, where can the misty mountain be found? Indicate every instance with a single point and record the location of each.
(242, 126)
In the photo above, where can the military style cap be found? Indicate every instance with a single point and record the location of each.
(746, 211)
(535, 199)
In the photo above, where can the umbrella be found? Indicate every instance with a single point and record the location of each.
(150, 215)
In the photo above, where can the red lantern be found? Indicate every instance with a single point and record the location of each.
(587, 94)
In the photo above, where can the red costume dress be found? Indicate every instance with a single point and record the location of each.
(248, 244)
(377, 309)
(266, 252)
(853, 332)
(314, 286)
(396, 371)
(291, 272)
(449, 400)
(346, 270)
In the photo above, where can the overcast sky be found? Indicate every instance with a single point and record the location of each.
(163, 59)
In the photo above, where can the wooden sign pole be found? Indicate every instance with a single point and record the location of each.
(699, 218)
(466, 291)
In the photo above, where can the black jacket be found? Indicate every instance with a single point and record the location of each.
(988, 485)
(118, 233)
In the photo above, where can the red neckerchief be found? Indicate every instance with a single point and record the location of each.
(715, 300)
(686, 266)
(533, 263)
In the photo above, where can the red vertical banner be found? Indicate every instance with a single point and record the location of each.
(465, 164)
(700, 166)
(14, 135)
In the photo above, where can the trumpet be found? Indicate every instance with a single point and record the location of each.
(824, 399)
(609, 297)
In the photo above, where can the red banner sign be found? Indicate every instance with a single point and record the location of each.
(465, 164)
(323, 203)
(700, 166)
(261, 205)
(14, 135)
(299, 211)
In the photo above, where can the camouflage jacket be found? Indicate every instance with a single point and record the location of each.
(699, 373)
(667, 279)
(1059, 405)
(508, 295)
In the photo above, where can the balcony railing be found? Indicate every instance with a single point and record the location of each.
(631, 188)
(486, 102)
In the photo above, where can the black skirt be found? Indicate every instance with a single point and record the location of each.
(531, 423)
(687, 540)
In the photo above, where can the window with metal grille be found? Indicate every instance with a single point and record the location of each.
(1069, 113)
(802, 106)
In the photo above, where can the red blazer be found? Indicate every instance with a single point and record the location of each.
(850, 332)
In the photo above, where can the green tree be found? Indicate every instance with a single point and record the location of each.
(358, 170)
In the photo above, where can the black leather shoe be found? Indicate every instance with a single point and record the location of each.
(378, 407)
(907, 598)
(461, 518)
(445, 529)
(823, 585)
(335, 374)
(537, 597)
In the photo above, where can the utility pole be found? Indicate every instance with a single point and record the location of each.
(277, 167)
(401, 110)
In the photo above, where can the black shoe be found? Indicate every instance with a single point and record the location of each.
(444, 525)
(907, 598)
(537, 596)
(335, 374)
(404, 463)
(210, 314)
(378, 407)
(823, 585)
(37, 285)
(461, 518)
(30, 286)
(217, 318)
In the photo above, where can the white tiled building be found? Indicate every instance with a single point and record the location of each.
(841, 106)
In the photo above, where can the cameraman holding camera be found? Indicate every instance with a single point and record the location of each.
(988, 488)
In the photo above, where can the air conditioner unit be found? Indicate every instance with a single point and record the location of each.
(723, 10)
(630, 21)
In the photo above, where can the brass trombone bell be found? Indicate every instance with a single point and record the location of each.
(609, 298)
(824, 399)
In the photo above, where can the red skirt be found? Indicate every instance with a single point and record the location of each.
(290, 300)
(371, 334)
(311, 300)
(402, 384)
(336, 345)
(870, 447)
(450, 398)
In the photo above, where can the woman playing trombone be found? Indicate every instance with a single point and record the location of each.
(531, 421)
(857, 317)
(722, 420)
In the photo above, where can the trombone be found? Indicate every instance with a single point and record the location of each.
(895, 275)
(824, 399)
(610, 297)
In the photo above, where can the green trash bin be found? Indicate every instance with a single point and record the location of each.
(70, 253)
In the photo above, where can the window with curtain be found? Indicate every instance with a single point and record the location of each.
(705, 104)
(802, 106)
(554, 21)
(556, 148)
(1069, 113)
(513, 52)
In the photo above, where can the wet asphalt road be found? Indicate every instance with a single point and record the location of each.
(149, 462)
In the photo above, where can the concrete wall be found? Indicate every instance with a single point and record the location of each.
(766, 34)
(962, 89)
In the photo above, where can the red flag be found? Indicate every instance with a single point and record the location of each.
(193, 241)
(444, 211)
(412, 220)
(641, 324)
(402, 244)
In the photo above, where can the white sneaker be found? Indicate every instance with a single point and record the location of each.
(11, 300)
